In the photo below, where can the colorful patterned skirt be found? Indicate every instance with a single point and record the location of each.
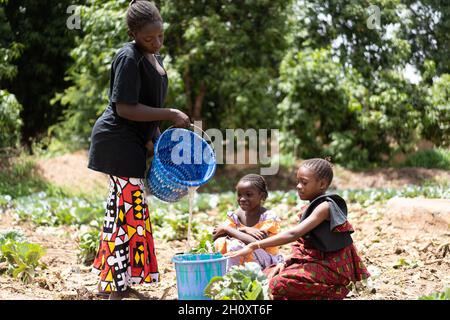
(126, 255)
(312, 275)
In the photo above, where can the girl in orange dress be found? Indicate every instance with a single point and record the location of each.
(249, 223)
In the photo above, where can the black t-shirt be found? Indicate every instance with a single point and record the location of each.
(323, 236)
(117, 144)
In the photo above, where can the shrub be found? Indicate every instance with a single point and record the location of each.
(10, 122)
(433, 158)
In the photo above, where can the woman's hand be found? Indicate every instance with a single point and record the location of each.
(179, 119)
(276, 270)
(254, 232)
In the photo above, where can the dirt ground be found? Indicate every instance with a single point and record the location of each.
(404, 243)
(71, 170)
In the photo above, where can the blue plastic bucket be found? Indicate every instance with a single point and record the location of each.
(195, 271)
(182, 159)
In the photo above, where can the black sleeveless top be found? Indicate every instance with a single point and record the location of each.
(117, 144)
(322, 237)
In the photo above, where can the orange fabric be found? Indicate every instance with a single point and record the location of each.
(271, 225)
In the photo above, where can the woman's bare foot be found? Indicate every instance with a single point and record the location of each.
(135, 294)
(102, 294)
(117, 295)
(128, 293)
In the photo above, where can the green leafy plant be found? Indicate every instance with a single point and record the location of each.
(22, 258)
(445, 295)
(205, 245)
(170, 221)
(368, 197)
(88, 246)
(46, 210)
(246, 282)
(13, 235)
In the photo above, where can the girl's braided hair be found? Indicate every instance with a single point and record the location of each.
(141, 12)
(323, 168)
(258, 181)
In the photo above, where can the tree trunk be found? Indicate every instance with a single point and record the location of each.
(197, 115)
(187, 90)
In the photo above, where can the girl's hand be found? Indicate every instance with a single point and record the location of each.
(276, 270)
(254, 232)
(219, 231)
(179, 119)
(243, 252)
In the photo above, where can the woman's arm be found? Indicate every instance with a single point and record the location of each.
(140, 112)
(319, 214)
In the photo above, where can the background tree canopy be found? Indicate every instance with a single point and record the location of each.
(334, 84)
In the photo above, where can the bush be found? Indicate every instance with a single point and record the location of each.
(10, 122)
(329, 110)
(437, 111)
(433, 158)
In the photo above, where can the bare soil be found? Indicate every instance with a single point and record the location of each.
(71, 170)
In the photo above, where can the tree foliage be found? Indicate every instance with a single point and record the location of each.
(103, 33)
(334, 83)
(40, 29)
(344, 86)
(10, 121)
(227, 54)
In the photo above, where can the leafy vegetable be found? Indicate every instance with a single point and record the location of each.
(12, 234)
(88, 246)
(246, 282)
(22, 259)
(445, 295)
(53, 211)
(206, 245)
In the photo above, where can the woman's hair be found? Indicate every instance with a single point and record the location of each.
(322, 168)
(141, 12)
(257, 181)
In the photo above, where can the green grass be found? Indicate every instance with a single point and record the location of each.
(20, 177)
(437, 158)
